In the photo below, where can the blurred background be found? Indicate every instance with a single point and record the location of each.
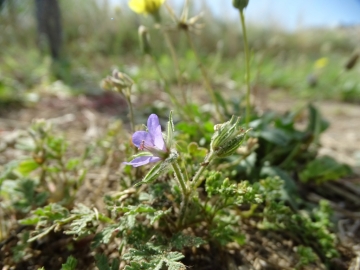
(72, 45)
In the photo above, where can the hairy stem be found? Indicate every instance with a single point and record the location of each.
(176, 64)
(247, 60)
(196, 181)
(183, 210)
(185, 193)
(180, 177)
(131, 111)
(205, 76)
(166, 85)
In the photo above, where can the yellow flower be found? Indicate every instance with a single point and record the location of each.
(145, 6)
(321, 62)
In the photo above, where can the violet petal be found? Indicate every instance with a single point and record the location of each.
(154, 128)
(140, 136)
(153, 122)
(139, 161)
(158, 139)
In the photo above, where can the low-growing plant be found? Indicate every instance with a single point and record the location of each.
(215, 177)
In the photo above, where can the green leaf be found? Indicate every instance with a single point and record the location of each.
(154, 173)
(324, 169)
(115, 264)
(70, 264)
(72, 163)
(157, 215)
(316, 121)
(27, 166)
(41, 198)
(172, 259)
(152, 214)
(179, 241)
(275, 136)
(104, 236)
(7, 172)
(290, 191)
(83, 224)
(155, 258)
(51, 212)
(195, 151)
(26, 144)
(138, 266)
(27, 189)
(136, 209)
(102, 262)
(306, 254)
(213, 183)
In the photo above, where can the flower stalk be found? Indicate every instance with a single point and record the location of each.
(131, 110)
(197, 180)
(180, 177)
(121, 83)
(205, 76)
(247, 61)
(176, 64)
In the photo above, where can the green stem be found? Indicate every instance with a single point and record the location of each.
(176, 64)
(131, 111)
(180, 177)
(247, 60)
(205, 76)
(166, 85)
(185, 193)
(197, 178)
(183, 210)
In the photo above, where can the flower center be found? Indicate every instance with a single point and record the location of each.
(153, 150)
(143, 147)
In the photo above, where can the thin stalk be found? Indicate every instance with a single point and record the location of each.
(180, 177)
(183, 210)
(166, 86)
(131, 111)
(205, 76)
(185, 193)
(176, 64)
(197, 180)
(247, 60)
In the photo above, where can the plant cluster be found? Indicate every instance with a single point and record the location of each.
(201, 186)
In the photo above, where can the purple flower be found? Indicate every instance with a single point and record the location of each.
(151, 141)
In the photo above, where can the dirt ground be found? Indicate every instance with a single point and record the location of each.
(83, 118)
(341, 140)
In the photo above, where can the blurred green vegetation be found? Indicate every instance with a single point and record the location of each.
(99, 36)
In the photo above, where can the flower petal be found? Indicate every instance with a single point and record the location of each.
(142, 161)
(138, 6)
(154, 128)
(153, 122)
(140, 136)
(158, 139)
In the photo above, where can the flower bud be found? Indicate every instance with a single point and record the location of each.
(227, 137)
(231, 146)
(240, 4)
(119, 80)
(125, 79)
(223, 132)
(144, 38)
(106, 84)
